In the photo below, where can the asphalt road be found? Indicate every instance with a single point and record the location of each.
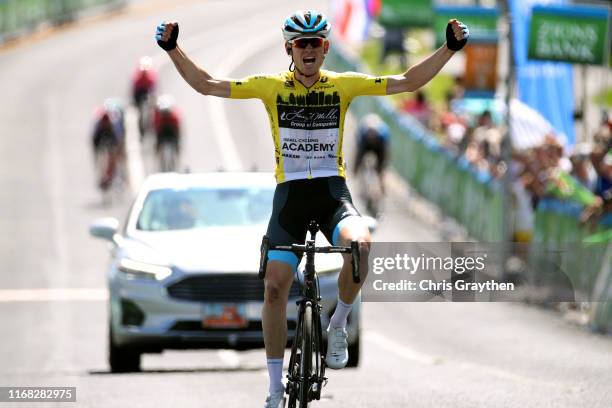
(52, 287)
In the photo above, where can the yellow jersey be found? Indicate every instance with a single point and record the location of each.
(307, 123)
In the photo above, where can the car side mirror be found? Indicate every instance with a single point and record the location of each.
(104, 228)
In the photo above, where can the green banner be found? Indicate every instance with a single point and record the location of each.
(406, 13)
(575, 34)
(482, 22)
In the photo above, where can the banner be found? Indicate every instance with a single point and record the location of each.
(571, 34)
(480, 69)
(545, 86)
(406, 13)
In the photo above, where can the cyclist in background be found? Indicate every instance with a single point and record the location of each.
(144, 85)
(108, 140)
(306, 107)
(373, 136)
(144, 81)
(167, 124)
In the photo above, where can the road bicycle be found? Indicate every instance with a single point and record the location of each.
(168, 150)
(370, 187)
(109, 167)
(306, 373)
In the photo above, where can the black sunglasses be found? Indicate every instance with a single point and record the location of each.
(303, 42)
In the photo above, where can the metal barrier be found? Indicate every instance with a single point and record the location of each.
(474, 199)
(22, 16)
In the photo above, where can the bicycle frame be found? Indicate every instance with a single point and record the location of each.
(299, 387)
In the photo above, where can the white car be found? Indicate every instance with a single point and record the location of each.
(183, 268)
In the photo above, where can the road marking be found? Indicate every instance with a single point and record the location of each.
(53, 295)
(410, 354)
(400, 349)
(229, 357)
(217, 114)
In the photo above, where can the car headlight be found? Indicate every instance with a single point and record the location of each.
(142, 270)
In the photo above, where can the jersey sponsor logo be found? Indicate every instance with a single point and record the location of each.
(319, 117)
(290, 84)
(308, 147)
(320, 98)
(378, 81)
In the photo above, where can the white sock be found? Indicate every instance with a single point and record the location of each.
(342, 311)
(275, 372)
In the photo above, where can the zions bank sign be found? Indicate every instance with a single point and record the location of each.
(576, 34)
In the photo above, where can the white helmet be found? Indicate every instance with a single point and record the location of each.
(303, 24)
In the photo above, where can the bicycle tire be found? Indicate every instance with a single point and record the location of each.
(167, 157)
(306, 357)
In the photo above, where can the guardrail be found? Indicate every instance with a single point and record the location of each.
(474, 199)
(18, 17)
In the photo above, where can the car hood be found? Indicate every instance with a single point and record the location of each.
(215, 249)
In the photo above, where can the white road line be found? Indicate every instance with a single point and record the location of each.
(226, 66)
(400, 349)
(217, 112)
(407, 353)
(229, 357)
(136, 170)
(53, 295)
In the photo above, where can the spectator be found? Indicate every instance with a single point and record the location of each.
(582, 170)
(419, 107)
(393, 43)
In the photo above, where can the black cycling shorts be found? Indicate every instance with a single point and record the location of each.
(325, 200)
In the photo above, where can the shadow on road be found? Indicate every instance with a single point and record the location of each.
(218, 369)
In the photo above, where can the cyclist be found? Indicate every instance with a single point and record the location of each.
(144, 81)
(306, 106)
(109, 132)
(373, 136)
(167, 123)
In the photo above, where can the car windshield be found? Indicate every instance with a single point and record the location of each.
(170, 209)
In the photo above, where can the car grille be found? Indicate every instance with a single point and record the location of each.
(222, 287)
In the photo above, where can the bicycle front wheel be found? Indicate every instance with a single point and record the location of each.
(306, 357)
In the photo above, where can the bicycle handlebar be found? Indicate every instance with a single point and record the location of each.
(316, 249)
(353, 250)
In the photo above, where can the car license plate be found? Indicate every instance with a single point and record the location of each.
(224, 316)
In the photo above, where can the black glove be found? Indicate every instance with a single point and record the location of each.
(451, 42)
(171, 43)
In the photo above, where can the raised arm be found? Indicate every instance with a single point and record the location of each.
(195, 76)
(421, 73)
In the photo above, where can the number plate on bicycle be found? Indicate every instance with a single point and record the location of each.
(224, 316)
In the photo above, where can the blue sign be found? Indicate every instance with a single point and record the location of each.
(547, 87)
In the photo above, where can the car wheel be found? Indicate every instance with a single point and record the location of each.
(122, 359)
(353, 352)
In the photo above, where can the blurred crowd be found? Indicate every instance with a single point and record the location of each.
(581, 174)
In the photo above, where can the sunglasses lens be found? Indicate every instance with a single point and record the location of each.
(315, 42)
